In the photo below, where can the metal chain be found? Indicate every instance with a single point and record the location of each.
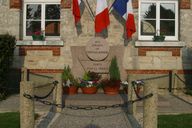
(41, 101)
(49, 77)
(180, 79)
(43, 97)
(88, 107)
(153, 78)
(98, 107)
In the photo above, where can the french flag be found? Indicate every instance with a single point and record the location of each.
(125, 9)
(76, 10)
(102, 16)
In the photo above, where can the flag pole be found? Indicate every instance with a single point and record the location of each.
(89, 10)
(111, 6)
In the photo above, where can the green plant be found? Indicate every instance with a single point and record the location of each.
(90, 79)
(86, 76)
(160, 38)
(7, 46)
(68, 77)
(114, 72)
(94, 76)
(38, 36)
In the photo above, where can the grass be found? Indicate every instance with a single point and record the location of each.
(9, 120)
(12, 120)
(175, 121)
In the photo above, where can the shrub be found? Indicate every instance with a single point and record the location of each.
(7, 46)
(67, 75)
(114, 72)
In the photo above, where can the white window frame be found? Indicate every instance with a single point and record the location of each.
(43, 3)
(158, 2)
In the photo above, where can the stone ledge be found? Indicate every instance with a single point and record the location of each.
(142, 51)
(159, 44)
(55, 49)
(39, 43)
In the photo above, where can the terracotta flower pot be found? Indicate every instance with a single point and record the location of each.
(89, 90)
(111, 90)
(70, 90)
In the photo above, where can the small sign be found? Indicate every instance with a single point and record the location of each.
(97, 49)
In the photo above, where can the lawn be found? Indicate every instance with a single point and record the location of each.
(9, 120)
(175, 121)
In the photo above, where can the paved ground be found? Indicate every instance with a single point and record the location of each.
(113, 117)
(108, 118)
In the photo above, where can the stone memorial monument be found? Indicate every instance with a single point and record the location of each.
(95, 56)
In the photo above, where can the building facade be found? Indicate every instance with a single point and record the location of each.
(140, 56)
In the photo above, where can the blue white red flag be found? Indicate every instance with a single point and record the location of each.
(76, 10)
(125, 9)
(102, 16)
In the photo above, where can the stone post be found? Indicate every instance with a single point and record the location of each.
(27, 105)
(59, 95)
(131, 96)
(174, 81)
(24, 74)
(150, 106)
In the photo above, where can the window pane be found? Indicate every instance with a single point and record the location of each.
(167, 27)
(52, 11)
(148, 27)
(148, 10)
(167, 11)
(52, 28)
(32, 26)
(33, 11)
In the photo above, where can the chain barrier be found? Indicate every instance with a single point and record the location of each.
(39, 99)
(98, 107)
(45, 102)
(49, 77)
(91, 107)
(180, 78)
(153, 78)
(43, 97)
(88, 107)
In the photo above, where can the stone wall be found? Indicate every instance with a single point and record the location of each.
(9, 19)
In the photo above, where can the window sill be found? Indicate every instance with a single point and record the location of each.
(159, 44)
(40, 43)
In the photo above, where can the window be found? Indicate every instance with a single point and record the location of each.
(41, 15)
(158, 17)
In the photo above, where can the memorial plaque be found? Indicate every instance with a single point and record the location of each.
(97, 49)
(96, 66)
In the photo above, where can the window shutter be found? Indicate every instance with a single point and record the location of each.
(65, 3)
(135, 3)
(16, 4)
(184, 4)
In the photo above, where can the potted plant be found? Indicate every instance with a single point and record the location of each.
(89, 82)
(158, 37)
(38, 36)
(70, 84)
(111, 86)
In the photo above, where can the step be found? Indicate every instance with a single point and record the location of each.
(94, 99)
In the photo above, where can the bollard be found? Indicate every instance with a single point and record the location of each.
(174, 82)
(150, 106)
(59, 91)
(27, 105)
(131, 96)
